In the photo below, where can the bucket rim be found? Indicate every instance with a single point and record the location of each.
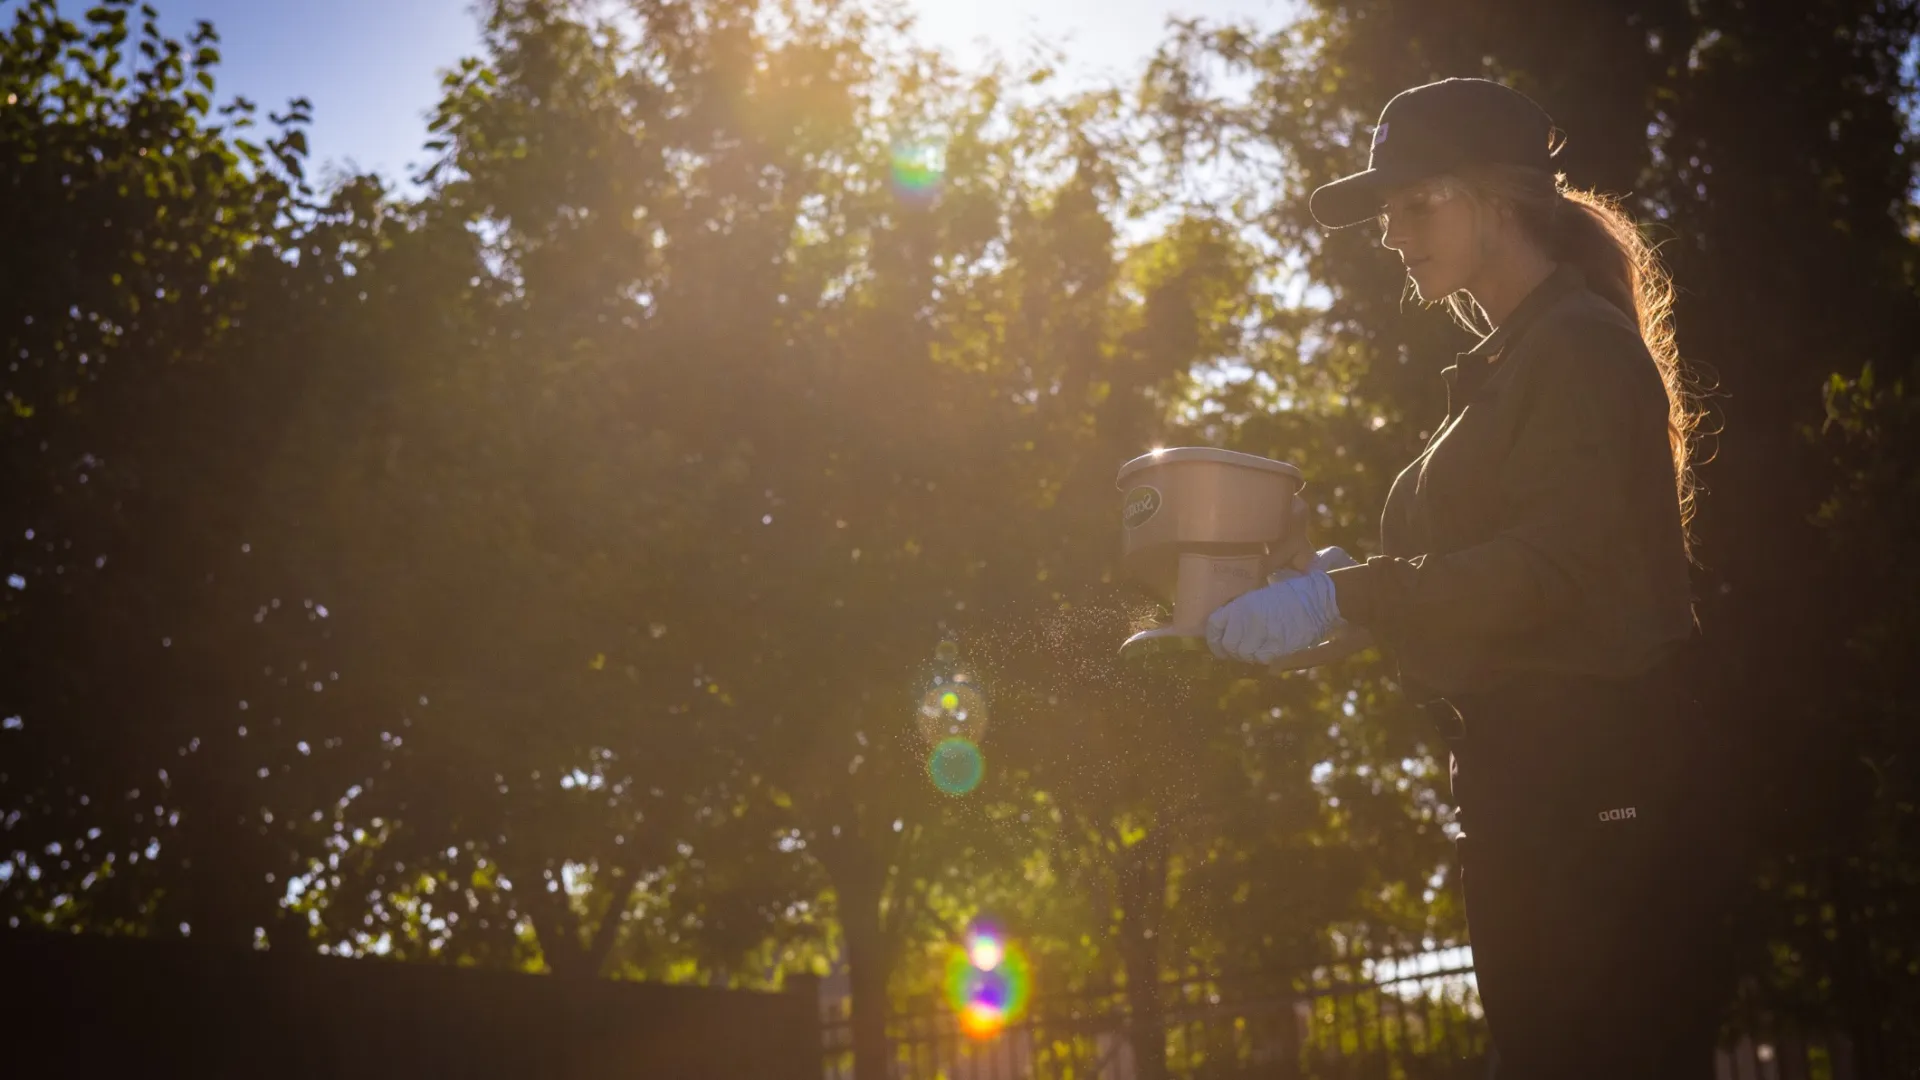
(1182, 455)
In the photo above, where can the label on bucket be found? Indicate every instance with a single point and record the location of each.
(1142, 503)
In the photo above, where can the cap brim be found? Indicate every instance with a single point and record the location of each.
(1354, 199)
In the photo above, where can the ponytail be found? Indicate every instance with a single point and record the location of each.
(1591, 231)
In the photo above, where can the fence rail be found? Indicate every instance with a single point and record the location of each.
(1414, 1020)
(1416, 1024)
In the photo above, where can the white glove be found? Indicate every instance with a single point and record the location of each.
(1327, 558)
(1290, 615)
(1331, 558)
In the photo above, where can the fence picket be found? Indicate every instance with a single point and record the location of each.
(1419, 1020)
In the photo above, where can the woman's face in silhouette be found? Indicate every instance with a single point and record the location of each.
(1435, 228)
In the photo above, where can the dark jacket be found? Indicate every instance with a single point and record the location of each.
(1538, 532)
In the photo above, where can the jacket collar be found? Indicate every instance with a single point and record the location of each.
(1565, 278)
(1470, 368)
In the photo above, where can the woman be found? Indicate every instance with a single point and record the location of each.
(1534, 590)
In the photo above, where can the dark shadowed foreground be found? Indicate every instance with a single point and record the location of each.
(170, 1008)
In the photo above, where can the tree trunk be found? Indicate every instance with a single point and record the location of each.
(1142, 893)
(1855, 982)
(867, 965)
(619, 887)
(226, 894)
(555, 924)
(559, 939)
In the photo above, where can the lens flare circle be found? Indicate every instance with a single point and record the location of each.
(918, 167)
(951, 709)
(985, 952)
(956, 766)
(986, 999)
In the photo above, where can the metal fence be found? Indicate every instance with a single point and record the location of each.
(1417, 1022)
(1415, 1019)
(1786, 1057)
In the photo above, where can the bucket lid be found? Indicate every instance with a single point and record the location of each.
(1184, 454)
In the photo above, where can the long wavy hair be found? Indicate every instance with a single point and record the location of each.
(1591, 231)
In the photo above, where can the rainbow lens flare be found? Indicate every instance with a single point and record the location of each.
(986, 984)
(981, 1021)
(918, 168)
(956, 766)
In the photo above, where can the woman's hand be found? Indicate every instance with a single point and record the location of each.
(1331, 558)
(1327, 558)
(1287, 616)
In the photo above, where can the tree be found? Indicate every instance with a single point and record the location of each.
(158, 257)
(763, 388)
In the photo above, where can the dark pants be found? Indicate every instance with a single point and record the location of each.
(1596, 878)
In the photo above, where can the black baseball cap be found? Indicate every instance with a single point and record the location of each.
(1433, 129)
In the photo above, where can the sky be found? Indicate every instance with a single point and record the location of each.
(372, 68)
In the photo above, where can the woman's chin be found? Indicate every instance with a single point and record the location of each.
(1429, 290)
